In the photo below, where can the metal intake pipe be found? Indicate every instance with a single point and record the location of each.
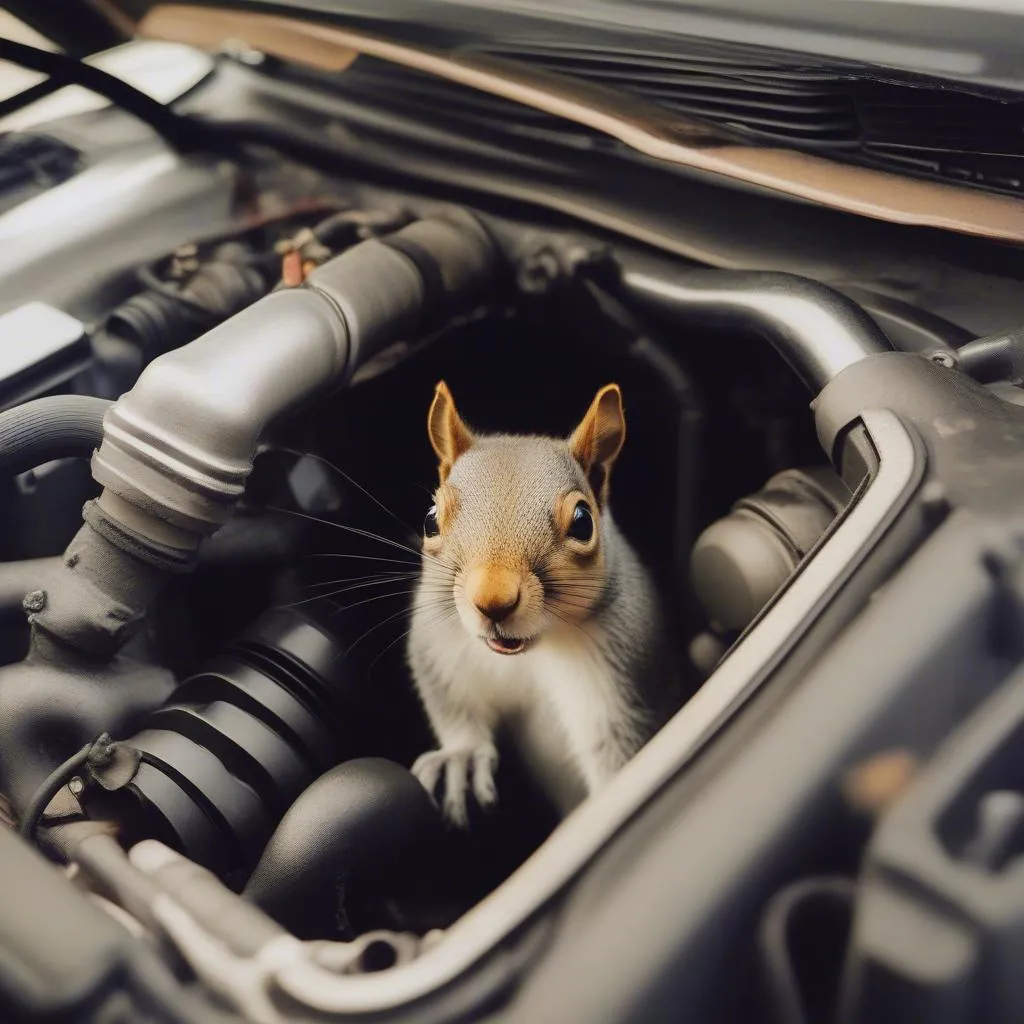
(815, 329)
(178, 447)
(180, 444)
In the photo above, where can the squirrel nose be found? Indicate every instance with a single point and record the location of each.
(497, 610)
(494, 592)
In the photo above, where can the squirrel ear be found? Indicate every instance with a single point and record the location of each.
(598, 439)
(449, 436)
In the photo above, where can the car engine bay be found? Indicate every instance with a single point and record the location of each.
(215, 372)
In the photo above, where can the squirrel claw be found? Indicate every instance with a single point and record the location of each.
(456, 772)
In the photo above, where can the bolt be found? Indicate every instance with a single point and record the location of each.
(77, 786)
(941, 358)
(539, 271)
(34, 602)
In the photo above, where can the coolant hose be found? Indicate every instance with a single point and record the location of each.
(818, 331)
(56, 427)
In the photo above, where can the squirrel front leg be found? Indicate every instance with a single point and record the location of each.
(467, 757)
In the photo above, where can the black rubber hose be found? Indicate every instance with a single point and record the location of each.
(365, 814)
(164, 317)
(996, 357)
(55, 427)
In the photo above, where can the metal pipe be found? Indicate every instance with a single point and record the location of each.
(179, 446)
(815, 329)
(177, 449)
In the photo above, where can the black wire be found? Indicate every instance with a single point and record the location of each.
(27, 96)
(180, 132)
(51, 786)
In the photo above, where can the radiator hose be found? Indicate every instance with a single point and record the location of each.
(56, 427)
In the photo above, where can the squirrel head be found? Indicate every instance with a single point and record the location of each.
(518, 526)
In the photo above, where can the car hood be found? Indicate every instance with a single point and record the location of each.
(969, 41)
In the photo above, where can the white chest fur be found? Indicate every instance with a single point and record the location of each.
(562, 705)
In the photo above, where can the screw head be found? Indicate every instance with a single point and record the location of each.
(539, 271)
(34, 602)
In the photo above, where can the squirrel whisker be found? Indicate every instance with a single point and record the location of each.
(569, 622)
(362, 533)
(370, 576)
(435, 621)
(348, 587)
(355, 483)
(364, 558)
(577, 581)
(398, 639)
(342, 608)
(380, 625)
(370, 600)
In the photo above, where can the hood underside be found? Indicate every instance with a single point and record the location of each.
(962, 40)
(896, 120)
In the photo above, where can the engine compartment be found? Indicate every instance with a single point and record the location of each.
(332, 487)
(257, 717)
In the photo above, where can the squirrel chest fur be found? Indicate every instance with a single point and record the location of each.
(532, 614)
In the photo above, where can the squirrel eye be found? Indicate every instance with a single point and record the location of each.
(581, 527)
(430, 527)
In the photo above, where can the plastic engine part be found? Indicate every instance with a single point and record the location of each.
(228, 754)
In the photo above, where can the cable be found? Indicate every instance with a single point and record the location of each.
(182, 133)
(51, 786)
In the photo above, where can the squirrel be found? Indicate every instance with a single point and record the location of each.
(532, 614)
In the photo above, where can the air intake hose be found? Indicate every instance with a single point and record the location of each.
(177, 449)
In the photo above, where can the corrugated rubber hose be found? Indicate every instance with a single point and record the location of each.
(55, 427)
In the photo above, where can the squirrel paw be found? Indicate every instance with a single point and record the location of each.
(455, 772)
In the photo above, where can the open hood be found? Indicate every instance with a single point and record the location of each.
(913, 119)
(969, 41)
